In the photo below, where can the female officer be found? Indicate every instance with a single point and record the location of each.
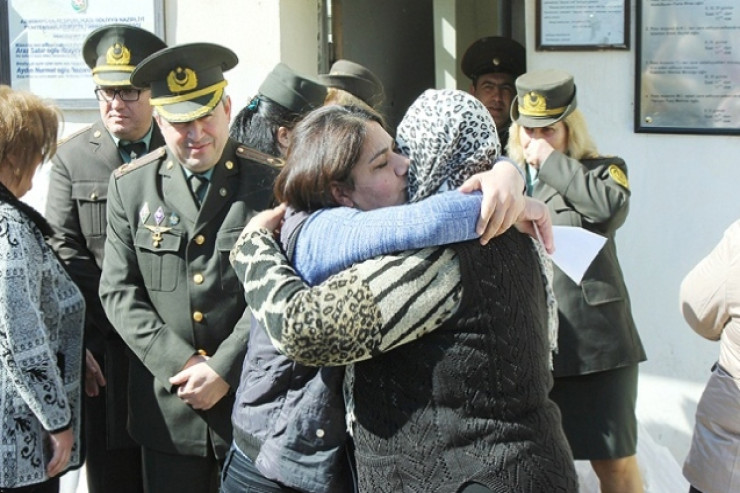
(598, 346)
(281, 101)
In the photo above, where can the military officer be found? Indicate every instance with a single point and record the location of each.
(76, 208)
(599, 348)
(492, 64)
(167, 285)
(347, 79)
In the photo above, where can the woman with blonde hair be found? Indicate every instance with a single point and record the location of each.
(41, 313)
(599, 349)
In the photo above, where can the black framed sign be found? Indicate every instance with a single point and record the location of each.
(688, 67)
(582, 25)
(42, 43)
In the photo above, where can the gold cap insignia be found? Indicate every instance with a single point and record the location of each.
(181, 80)
(618, 175)
(533, 103)
(496, 62)
(118, 54)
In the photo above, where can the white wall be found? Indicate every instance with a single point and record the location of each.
(261, 33)
(684, 194)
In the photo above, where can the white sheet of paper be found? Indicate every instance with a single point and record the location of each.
(575, 249)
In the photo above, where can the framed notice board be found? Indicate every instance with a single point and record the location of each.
(582, 25)
(41, 43)
(688, 67)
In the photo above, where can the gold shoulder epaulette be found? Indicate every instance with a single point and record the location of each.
(260, 157)
(152, 157)
(73, 135)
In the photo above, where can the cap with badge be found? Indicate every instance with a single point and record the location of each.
(113, 51)
(187, 81)
(543, 97)
(494, 54)
(292, 91)
(356, 79)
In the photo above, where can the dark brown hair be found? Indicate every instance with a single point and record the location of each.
(325, 147)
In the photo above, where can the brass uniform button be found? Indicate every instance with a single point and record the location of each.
(199, 240)
(170, 164)
(96, 134)
(222, 192)
(198, 278)
(197, 316)
(93, 196)
(202, 352)
(229, 165)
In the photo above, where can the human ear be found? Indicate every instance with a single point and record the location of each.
(341, 195)
(283, 138)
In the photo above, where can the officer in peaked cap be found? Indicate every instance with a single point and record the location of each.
(166, 284)
(492, 64)
(355, 79)
(76, 209)
(580, 186)
(282, 100)
(113, 51)
(544, 97)
(187, 81)
(294, 92)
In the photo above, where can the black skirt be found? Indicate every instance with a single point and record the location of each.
(598, 412)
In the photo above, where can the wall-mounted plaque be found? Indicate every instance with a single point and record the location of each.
(582, 25)
(42, 43)
(688, 67)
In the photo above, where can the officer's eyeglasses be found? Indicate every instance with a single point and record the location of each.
(126, 94)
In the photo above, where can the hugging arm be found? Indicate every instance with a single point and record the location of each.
(371, 308)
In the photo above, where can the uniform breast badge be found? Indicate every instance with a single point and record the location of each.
(157, 229)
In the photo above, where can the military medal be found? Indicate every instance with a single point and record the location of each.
(156, 233)
(144, 213)
(157, 230)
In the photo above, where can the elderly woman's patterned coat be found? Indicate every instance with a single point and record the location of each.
(41, 317)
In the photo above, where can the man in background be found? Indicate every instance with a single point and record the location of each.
(76, 209)
(493, 63)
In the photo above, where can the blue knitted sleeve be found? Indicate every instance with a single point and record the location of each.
(333, 239)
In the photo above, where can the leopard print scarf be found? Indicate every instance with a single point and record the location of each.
(449, 136)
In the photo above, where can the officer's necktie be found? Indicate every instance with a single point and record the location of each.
(133, 149)
(198, 185)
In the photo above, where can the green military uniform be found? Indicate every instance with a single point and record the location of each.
(76, 210)
(599, 349)
(167, 285)
(170, 291)
(596, 330)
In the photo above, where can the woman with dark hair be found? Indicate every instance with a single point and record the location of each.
(448, 347)
(41, 314)
(283, 98)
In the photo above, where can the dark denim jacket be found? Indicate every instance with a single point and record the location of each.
(289, 418)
